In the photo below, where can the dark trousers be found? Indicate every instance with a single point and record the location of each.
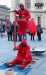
(32, 37)
(39, 37)
(9, 36)
(15, 37)
(20, 38)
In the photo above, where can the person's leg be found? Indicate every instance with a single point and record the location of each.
(8, 36)
(16, 36)
(1, 34)
(23, 65)
(40, 37)
(12, 63)
(24, 36)
(11, 36)
(19, 38)
(31, 37)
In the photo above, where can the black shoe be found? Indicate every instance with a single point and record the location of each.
(21, 67)
(33, 40)
(8, 65)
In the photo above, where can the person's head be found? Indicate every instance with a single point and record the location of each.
(24, 43)
(21, 6)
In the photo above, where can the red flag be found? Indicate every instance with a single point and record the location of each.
(22, 26)
(32, 27)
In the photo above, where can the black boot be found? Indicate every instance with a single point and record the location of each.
(8, 65)
(21, 67)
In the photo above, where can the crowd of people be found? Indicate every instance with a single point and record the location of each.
(10, 32)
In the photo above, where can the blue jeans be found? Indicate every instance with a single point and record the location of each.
(24, 36)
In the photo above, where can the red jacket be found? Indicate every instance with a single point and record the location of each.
(26, 14)
(24, 52)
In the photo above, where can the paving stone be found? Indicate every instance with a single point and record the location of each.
(2, 51)
(4, 57)
(37, 64)
(37, 72)
(43, 66)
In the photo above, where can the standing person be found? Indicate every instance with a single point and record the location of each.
(32, 37)
(39, 32)
(1, 29)
(11, 31)
(23, 57)
(16, 32)
(24, 15)
(20, 39)
(8, 27)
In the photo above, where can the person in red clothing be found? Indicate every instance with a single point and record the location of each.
(23, 57)
(24, 16)
(23, 12)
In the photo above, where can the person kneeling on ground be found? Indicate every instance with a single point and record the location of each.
(23, 57)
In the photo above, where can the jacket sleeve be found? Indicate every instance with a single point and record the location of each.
(28, 15)
(17, 11)
(18, 47)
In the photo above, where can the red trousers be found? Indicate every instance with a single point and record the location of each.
(15, 62)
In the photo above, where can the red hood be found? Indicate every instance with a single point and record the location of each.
(21, 4)
(24, 41)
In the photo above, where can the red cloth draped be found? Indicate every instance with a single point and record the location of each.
(32, 27)
(22, 26)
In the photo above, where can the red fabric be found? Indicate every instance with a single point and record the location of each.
(22, 27)
(32, 27)
(23, 53)
(7, 21)
(21, 4)
(26, 14)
